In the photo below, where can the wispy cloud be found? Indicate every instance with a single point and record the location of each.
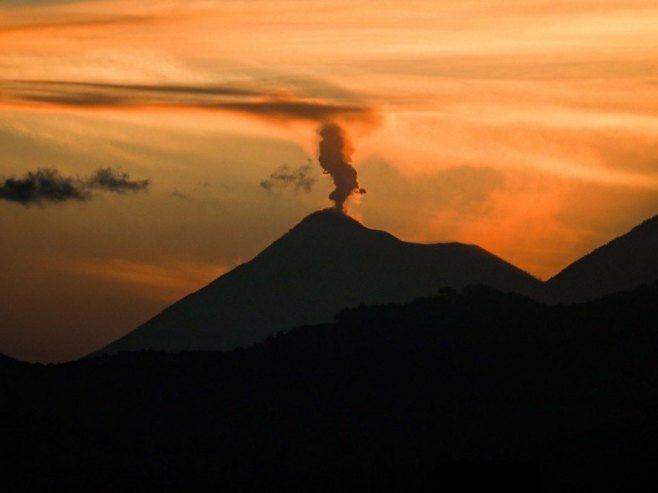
(115, 181)
(285, 177)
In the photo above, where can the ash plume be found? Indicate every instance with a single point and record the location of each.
(335, 155)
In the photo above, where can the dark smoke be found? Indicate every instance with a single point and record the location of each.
(115, 181)
(286, 177)
(48, 186)
(43, 185)
(334, 156)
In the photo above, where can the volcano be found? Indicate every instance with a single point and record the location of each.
(327, 262)
(620, 265)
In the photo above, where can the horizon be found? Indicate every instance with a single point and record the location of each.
(183, 137)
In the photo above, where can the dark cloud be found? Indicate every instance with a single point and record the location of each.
(257, 102)
(207, 90)
(48, 186)
(80, 99)
(299, 110)
(335, 155)
(115, 181)
(123, 92)
(285, 177)
(85, 94)
(43, 185)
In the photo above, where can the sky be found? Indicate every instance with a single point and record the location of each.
(175, 139)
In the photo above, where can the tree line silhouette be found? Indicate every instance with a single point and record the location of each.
(454, 392)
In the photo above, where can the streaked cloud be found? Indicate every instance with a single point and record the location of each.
(264, 104)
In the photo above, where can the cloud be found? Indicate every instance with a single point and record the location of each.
(300, 110)
(262, 103)
(43, 185)
(285, 177)
(67, 92)
(48, 186)
(115, 181)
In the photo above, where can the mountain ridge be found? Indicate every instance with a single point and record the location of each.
(621, 264)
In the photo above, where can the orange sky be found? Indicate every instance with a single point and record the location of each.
(528, 127)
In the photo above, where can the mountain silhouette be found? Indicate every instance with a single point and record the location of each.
(327, 262)
(622, 264)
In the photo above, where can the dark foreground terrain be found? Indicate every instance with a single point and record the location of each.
(459, 392)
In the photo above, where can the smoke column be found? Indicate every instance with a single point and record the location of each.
(334, 156)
